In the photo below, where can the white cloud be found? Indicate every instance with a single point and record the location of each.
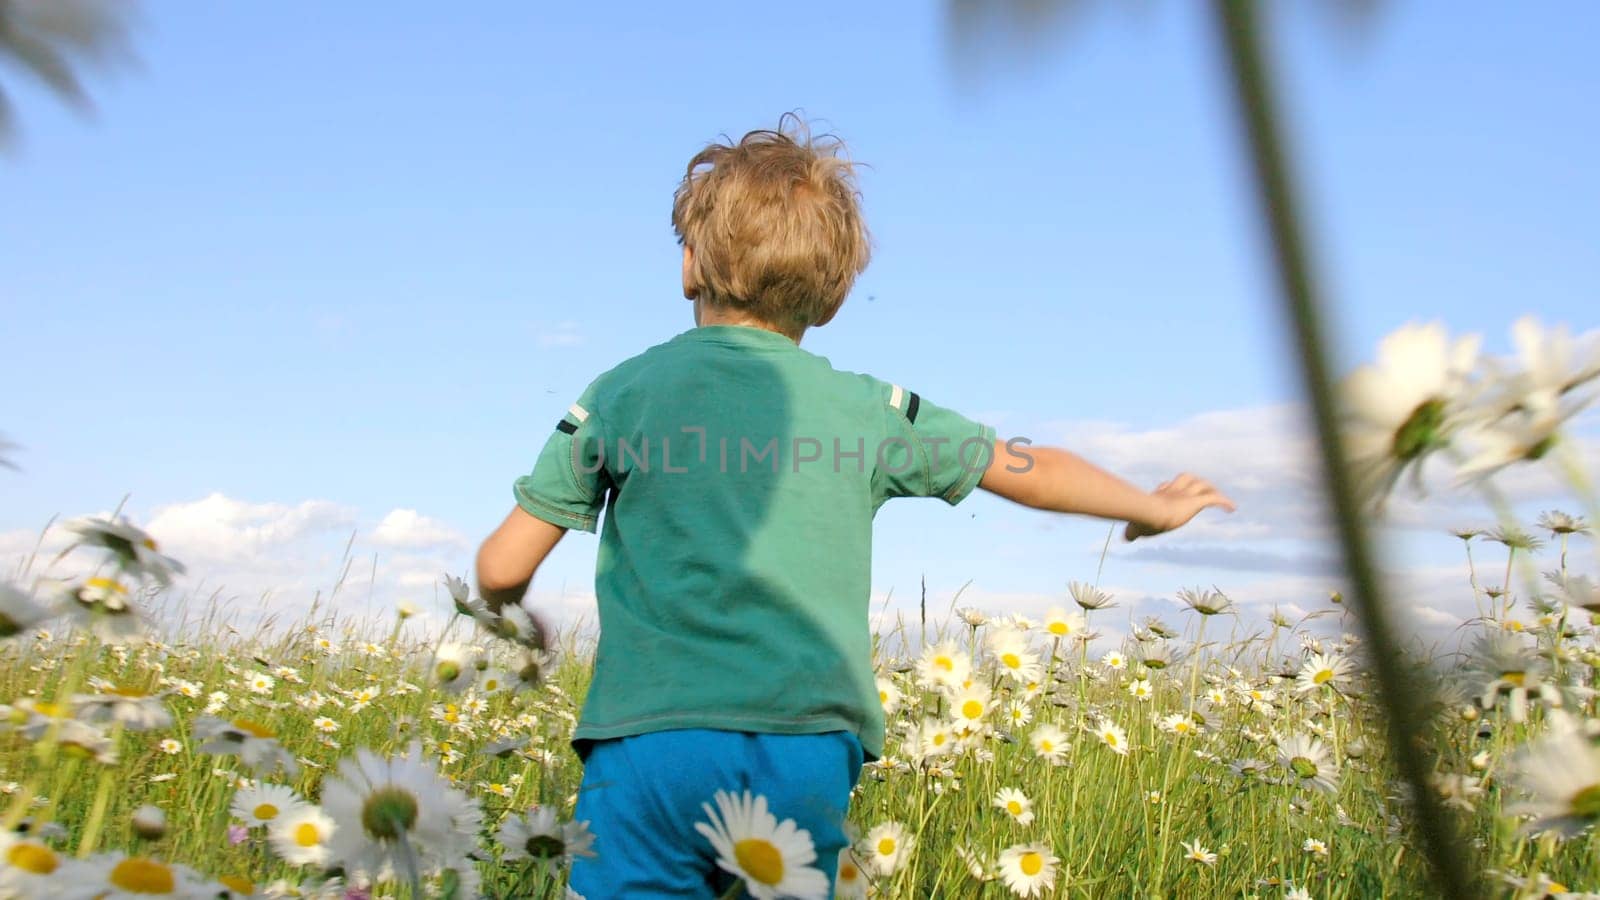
(408, 529)
(559, 334)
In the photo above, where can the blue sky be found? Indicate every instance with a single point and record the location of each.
(326, 263)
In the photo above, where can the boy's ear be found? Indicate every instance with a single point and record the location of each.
(690, 289)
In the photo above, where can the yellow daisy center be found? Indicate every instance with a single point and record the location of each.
(944, 662)
(972, 709)
(1058, 628)
(886, 846)
(143, 876)
(1111, 739)
(240, 885)
(1515, 679)
(1011, 660)
(1014, 807)
(847, 871)
(1047, 746)
(1030, 864)
(1323, 676)
(759, 859)
(107, 584)
(265, 812)
(32, 858)
(883, 696)
(252, 728)
(306, 835)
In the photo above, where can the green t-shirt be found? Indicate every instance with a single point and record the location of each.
(740, 475)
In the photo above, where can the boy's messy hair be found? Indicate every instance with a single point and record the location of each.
(774, 225)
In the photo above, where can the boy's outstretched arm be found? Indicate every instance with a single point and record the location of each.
(1059, 480)
(510, 556)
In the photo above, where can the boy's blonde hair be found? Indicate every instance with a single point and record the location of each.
(774, 225)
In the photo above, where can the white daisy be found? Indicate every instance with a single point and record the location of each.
(1192, 850)
(1016, 805)
(454, 668)
(1561, 774)
(396, 813)
(1112, 736)
(1307, 761)
(264, 804)
(774, 859)
(887, 847)
(19, 612)
(943, 665)
(537, 835)
(1050, 743)
(135, 549)
(1014, 657)
(299, 836)
(1323, 669)
(1059, 623)
(1407, 405)
(850, 882)
(1029, 870)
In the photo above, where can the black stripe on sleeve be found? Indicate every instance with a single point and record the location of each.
(911, 407)
(566, 427)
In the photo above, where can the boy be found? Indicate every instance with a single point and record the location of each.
(740, 475)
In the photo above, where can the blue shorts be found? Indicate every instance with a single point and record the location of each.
(641, 796)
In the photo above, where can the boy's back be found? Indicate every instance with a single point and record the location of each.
(741, 475)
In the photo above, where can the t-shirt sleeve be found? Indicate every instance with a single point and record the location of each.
(567, 486)
(930, 451)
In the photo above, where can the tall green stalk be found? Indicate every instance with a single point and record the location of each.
(1253, 90)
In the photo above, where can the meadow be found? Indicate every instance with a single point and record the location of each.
(1207, 754)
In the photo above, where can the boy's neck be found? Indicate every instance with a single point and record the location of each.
(710, 314)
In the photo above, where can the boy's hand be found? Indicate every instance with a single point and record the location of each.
(1175, 503)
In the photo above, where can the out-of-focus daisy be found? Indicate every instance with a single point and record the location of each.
(264, 804)
(1114, 659)
(975, 618)
(133, 547)
(1018, 713)
(1308, 762)
(120, 877)
(1156, 654)
(1016, 660)
(461, 595)
(102, 605)
(135, 710)
(1195, 852)
(493, 681)
(1322, 670)
(454, 668)
(537, 835)
(324, 724)
(394, 812)
(888, 695)
(1015, 804)
(1315, 848)
(1112, 736)
(29, 867)
(1407, 405)
(300, 835)
(1140, 689)
(849, 881)
(1206, 602)
(774, 859)
(1506, 666)
(1059, 623)
(943, 665)
(1090, 597)
(886, 848)
(170, 746)
(1179, 724)
(256, 744)
(1050, 743)
(19, 612)
(932, 740)
(1560, 771)
(261, 683)
(1029, 870)
(971, 705)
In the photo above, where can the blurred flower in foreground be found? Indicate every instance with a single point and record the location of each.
(1406, 406)
(395, 814)
(256, 744)
(773, 859)
(1561, 773)
(536, 835)
(19, 612)
(132, 546)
